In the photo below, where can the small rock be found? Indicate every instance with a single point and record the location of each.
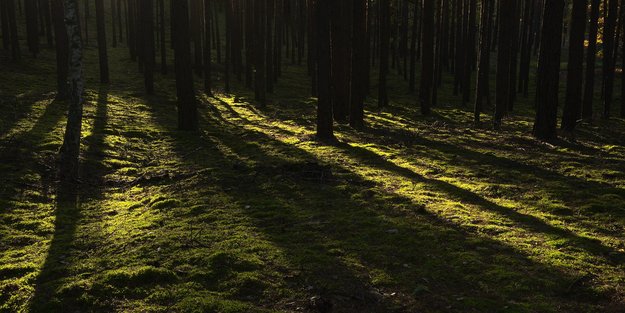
(392, 231)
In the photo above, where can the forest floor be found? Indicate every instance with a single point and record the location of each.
(252, 214)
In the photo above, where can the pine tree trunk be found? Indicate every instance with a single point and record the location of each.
(427, 72)
(608, 55)
(548, 76)
(324, 103)
(207, 49)
(574, 81)
(62, 46)
(102, 51)
(147, 30)
(385, 33)
(483, 67)
(359, 63)
(504, 59)
(32, 28)
(591, 57)
(187, 105)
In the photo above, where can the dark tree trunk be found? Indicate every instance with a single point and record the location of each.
(4, 22)
(413, 49)
(259, 51)
(324, 102)
(622, 17)
(608, 54)
(591, 57)
(62, 46)
(147, 32)
(102, 51)
(427, 72)
(504, 60)
(574, 80)
(187, 105)
(269, 49)
(548, 76)
(161, 4)
(483, 68)
(359, 63)
(207, 49)
(470, 52)
(47, 21)
(341, 59)
(385, 34)
(32, 28)
(113, 22)
(87, 15)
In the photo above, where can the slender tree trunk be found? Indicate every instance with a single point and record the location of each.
(15, 44)
(187, 104)
(62, 46)
(147, 25)
(163, 43)
(385, 33)
(548, 77)
(102, 51)
(324, 103)
(427, 72)
(504, 59)
(591, 56)
(483, 68)
(359, 63)
(4, 22)
(113, 22)
(32, 28)
(574, 81)
(341, 60)
(608, 55)
(207, 49)
(413, 49)
(70, 150)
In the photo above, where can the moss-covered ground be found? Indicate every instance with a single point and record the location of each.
(252, 214)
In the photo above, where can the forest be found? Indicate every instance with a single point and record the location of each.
(312, 156)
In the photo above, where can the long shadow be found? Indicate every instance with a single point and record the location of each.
(69, 213)
(357, 228)
(523, 220)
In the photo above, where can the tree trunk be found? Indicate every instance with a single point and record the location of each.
(574, 81)
(608, 55)
(147, 32)
(385, 34)
(187, 106)
(207, 49)
(359, 64)
(483, 68)
(324, 103)
(62, 46)
(102, 51)
(504, 59)
(70, 150)
(427, 72)
(32, 28)
(548, 76)
(591, 56)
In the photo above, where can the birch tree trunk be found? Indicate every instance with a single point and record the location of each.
(71, 143)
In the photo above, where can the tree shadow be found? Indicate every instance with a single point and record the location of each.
(323, 229)
(57, 267)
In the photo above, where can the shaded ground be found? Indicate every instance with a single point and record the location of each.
(252, 214)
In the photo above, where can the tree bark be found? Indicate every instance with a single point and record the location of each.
(325, 129)
(574, 81)
(102, 51)
(187, 105)
(591, 56)
(427, 72)
(62, 46)
(70, 151)
(548, 77)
